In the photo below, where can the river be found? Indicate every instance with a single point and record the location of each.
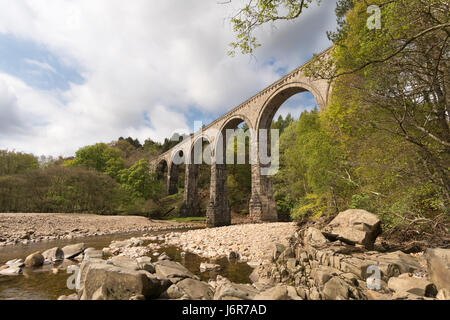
(42, 284)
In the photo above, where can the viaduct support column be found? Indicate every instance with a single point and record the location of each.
(190, 206)
(218, 212)
(262, 207)
(172, 179)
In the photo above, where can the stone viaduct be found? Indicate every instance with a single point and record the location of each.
(257, 112)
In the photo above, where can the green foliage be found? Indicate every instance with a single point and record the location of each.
(16, 162)
(139, 182)
(100, 157)
(257, 13)
(60, 190)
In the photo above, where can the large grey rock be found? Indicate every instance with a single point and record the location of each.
(124, 262)
(108, 282)
(92, 253)
(314, 237)
(226, 290)
(34, 260)
(73, 250)
(196, 290)
(336, 289)
(279, 292)
(322, 274)
(173, 271)
(438, 261)
(53, 255)
(354, 226)
(417, 286)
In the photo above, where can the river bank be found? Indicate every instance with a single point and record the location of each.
(25, 228)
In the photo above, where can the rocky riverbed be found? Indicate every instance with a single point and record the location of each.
(24, 228)
(248, 242)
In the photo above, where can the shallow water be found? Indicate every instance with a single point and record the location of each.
(42, 284)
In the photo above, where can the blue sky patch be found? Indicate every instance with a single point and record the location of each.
(35, 64)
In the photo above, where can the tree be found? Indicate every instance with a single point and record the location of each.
(100, 157)
(139, 181)
(256, 13)
(12, 162)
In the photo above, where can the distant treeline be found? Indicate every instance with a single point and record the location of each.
(103, 179)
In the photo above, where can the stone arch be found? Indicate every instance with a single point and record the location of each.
(273, 103)
(230, 123)
(173, 171)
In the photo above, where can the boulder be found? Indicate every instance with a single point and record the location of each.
(15, 262)
(279, 292)
(314, 237)
(11, 271)
(336, 289)
(322, 274)
(164, 256)
(209, 267)
(93, 254)
(195, 289)
(443, 294)
(438, 262)
(124, 262)
(173, 292)
(416, 286)
(145, 263)
(173, 271)
(34, 260)
(107, 282)
(404, 263)
(354, 226)
(73, 250)
(53, 255)
(226, 290)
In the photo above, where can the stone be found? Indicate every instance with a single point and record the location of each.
(226, 290)
(93, 254)
(443, 294)
(73, 296)
(354, 226)
(145, 263)
(322, 274)
(138, 297)
(72, 251)
(173, 292)
(15, 262)
(11, 271)
(314, 237)
(124, 262)
(164, 256)
(438, 262)
(34, 260)
(397, 262)
(277, 250)
(209, 267)
(110, 282)
(53, 255)
(173, 271)
(417, 286)
(279, 292)
(336, 289)
(195, 289)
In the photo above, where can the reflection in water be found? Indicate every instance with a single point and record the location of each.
(44, 284)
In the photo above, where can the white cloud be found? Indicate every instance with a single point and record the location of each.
(158, 58)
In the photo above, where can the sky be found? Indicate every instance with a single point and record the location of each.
(75, 73)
